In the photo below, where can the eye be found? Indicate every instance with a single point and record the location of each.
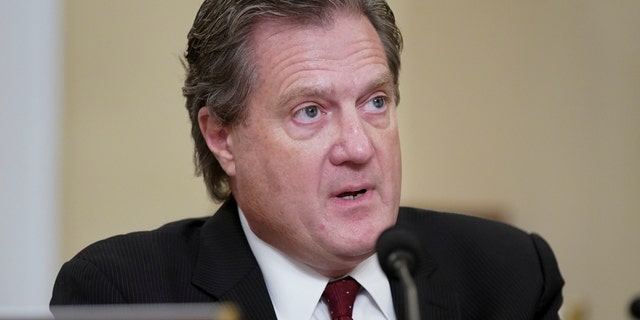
(307, 114)
(377, 104)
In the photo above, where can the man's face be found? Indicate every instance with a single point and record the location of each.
(316, 166)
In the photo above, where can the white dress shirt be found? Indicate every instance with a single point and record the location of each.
(296, 289)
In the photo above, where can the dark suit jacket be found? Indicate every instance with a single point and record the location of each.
(473, 269)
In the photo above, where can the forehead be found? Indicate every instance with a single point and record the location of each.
(266, 30)
(286, 50)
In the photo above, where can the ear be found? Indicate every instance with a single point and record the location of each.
(218, 140)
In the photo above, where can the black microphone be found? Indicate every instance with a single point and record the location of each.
(399, 256)
(634, 308)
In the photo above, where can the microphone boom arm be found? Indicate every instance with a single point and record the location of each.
(410, 289)
(400, 262)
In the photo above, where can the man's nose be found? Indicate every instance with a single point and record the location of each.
(353, 143)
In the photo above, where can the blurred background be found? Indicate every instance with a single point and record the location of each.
(524, 111)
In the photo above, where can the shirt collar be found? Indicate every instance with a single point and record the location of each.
(371, 277)
(295, 288)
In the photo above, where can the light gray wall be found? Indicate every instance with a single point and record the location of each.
(30, 114)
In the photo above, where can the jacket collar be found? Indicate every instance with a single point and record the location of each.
(227, 270)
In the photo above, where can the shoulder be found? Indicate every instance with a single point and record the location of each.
(482, 257)
(175, 238)
(476, 246)
(138, 267)
(460, 229)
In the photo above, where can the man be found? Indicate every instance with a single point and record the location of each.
(293, 107)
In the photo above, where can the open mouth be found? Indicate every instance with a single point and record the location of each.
(352, 195)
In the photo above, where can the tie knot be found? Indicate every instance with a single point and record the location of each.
(340, 296)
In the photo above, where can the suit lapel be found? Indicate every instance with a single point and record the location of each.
(436, 298)
(227, 270)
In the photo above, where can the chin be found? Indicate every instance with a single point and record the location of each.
(359, 248)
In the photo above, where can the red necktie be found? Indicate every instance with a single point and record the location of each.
(340, 296)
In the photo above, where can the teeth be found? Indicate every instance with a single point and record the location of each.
(353, 196)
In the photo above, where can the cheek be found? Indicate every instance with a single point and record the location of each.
(388, 144)
(391, 165)
(274, 164)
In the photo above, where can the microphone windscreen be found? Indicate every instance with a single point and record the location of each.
(635, 308)
(397, 243)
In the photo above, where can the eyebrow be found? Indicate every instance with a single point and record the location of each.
(383, 80)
